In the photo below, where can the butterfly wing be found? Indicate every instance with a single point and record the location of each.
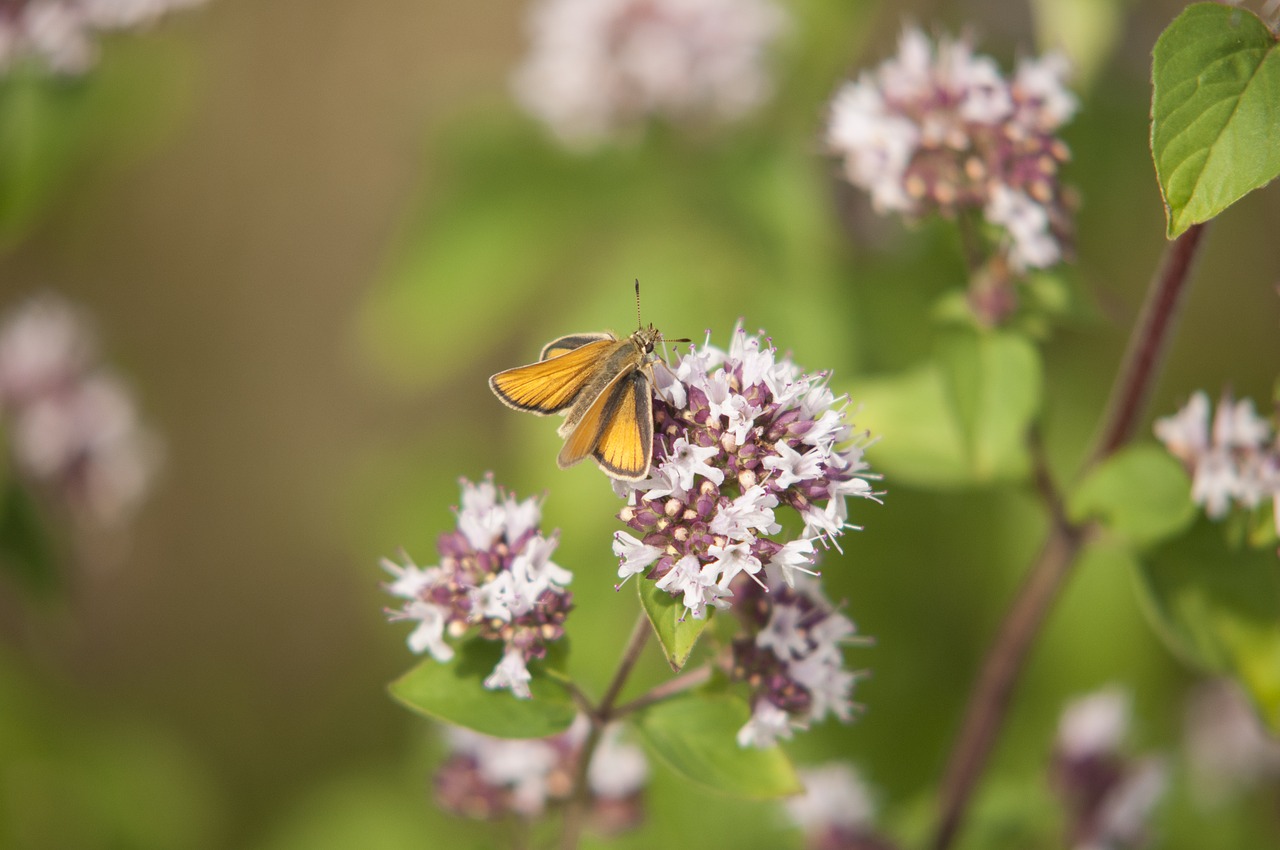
(625, 447)
(570, 342)
(553, 383)
(616, 429)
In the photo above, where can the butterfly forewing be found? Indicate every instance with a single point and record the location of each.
(552, 384)
(568, 343)
(625, 445)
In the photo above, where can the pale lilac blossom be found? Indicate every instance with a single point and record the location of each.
(597, 69)
(486, 777)
(837, 809)
(61, 35)
(495, 579)
(938, 128)
(742, 439)
(73, 427)
(1234, 462)
(1108, 795)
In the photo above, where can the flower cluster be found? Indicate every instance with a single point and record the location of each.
(60, 33)
(72, 425)
(1108, 796)
(739, 436)
(791, 656)
(487, 778)
(940, 129)
(836, 810)
(496, 575)
(599, 67)
(1228, 748)
(1235, 462)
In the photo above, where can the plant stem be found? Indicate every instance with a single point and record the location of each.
(993, 691)
(576, 812)
(671, 687)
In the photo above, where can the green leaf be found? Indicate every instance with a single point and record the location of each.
(1142, 493)
(676, 630)
(695, 735)
(960, 420)
(26, 551)
(1219, 607)
(1215, 111)
(454, 692)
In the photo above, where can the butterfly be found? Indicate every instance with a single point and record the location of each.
(604, 387)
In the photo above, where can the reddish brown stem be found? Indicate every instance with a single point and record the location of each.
(993, 691)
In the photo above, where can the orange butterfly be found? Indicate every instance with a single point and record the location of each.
(604, 385)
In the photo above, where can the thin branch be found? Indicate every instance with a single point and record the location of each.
(684, 682)
(993, 692)
(599, 717)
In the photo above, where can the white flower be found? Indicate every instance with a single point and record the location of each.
(768, 725)
(429, 635)
(1041, 82)
(686, 460)
(1095, 724)
(696, 583)
(410, 579)
(1123, 817)
(1034, 245)
(599, 67)
(1238, 426)
(835, 795)
(791, 466)
(512, 674)
(752, 511)
(1186, 433)
(829, 685)
(617, 769)
(794, 555)
(782, 635)
(635, 556)
(1228, 748)
(58, 33)
(728, 561)
(520, 765)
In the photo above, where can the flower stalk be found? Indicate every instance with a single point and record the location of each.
(993, 692)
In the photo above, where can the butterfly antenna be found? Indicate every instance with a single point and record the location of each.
(639, 324)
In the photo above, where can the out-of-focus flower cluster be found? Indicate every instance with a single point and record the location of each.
(596, 68)
(1108, 795)
(792, 658)
(71, 423)
(836, 810)
(938, 128)
(738, 436)
(1235, 462)
(488, 778)
(495, 576)
(1228, 749)
(60, 34)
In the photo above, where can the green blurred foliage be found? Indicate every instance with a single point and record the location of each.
(313, 320)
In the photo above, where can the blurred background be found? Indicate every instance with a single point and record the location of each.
(308, 232)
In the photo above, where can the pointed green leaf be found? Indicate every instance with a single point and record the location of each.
(1142, 493)
(677, 630)
(454, 692)
(1219, 607)
(696, 736)
(992, 382)
(26, 552)
(1215, 111)
(961, 419)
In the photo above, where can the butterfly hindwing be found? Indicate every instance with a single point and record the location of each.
(552, 384)
(624, 448)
